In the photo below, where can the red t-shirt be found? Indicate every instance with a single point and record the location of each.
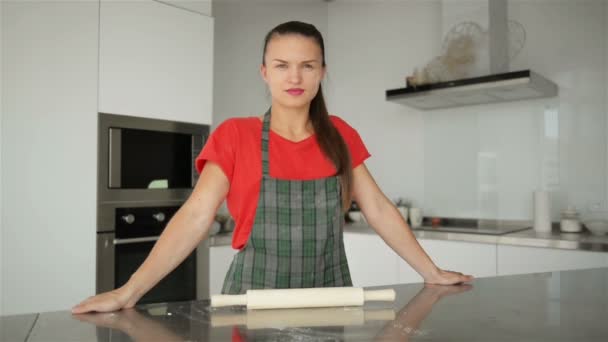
(235, 146)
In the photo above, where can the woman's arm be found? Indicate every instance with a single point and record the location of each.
(183, 233)
(386, 220)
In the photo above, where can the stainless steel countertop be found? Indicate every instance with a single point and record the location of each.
(526, 238)
(17, 327)
(558, 306)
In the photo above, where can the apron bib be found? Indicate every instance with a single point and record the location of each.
(296, 240)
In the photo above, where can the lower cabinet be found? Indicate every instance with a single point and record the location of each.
(220, 258)
(521, 260)
(370, 260)
(476, 259)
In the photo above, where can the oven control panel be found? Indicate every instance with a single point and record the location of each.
(142, 221)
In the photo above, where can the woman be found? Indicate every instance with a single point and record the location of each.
(287, 177)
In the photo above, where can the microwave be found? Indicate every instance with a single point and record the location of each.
(144, 162)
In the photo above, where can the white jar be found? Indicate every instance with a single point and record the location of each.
(570, 222)
(415, 217)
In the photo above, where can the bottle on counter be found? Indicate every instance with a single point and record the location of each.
(542, 212)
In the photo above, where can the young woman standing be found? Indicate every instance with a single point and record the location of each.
(287, 176)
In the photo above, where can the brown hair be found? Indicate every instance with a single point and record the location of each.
(328, 137)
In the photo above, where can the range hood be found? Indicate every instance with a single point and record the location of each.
(503, 87)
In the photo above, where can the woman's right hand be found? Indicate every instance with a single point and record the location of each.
(113, 300)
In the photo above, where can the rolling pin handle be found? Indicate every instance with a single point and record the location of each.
(228, 300)
(380, 295)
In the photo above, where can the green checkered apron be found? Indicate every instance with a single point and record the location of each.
(296, 240)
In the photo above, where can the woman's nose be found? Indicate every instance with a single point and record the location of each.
(295, 74)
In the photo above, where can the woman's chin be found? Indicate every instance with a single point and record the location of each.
(294, 103)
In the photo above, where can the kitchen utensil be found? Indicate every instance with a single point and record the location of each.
(303, 298)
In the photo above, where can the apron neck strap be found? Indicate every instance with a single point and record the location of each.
(265, 144)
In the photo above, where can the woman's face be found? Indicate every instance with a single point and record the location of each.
(293, 69)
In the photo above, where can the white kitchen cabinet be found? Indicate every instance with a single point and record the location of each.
(220, 258)
(155, 60)
(372, 262)
(477, 259)
(49, 167)
(522, 260)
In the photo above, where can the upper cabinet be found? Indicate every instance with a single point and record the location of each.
(155, 60)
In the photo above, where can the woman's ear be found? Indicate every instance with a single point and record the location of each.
(263, 72)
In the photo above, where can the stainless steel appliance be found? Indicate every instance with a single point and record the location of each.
(145, 173)
(475, 226)
(121, 252)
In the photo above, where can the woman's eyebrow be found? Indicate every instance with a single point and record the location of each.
(282, 61)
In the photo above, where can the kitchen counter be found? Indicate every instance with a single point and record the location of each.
(583, 241)
(558, 306)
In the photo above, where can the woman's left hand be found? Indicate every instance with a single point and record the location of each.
(441, 277)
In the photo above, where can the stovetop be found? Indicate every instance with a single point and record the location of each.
(476, 226)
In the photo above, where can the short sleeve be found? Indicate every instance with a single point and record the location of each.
(220, 148)
(356, 147)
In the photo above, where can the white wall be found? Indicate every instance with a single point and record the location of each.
(371, 47)
(486, 160)
(48, 154)
(240, 27)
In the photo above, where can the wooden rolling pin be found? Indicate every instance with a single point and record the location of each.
(303, 298)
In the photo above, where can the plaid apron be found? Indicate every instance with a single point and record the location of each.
(296, 240)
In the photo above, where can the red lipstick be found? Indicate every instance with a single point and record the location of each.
(295, 91)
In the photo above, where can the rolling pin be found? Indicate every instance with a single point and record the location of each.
(303, 298)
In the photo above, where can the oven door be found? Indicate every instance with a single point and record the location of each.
(118, 259)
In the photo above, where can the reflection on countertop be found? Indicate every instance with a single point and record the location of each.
(564, 306)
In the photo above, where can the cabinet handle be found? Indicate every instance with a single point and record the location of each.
(135, 240)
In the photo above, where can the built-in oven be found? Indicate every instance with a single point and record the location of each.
(121, 252)
(145, 173)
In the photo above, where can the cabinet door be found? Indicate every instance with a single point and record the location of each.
(477, 259)
(372, 262)
(521, 260)
(155, 60)
(220, 258)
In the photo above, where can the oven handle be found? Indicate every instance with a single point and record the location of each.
(135, 240)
